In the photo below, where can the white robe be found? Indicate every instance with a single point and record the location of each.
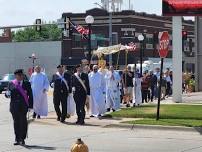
(137, 91)
(112, 90)
(97, 101)
(39, 82)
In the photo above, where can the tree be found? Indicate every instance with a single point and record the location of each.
(29, 34)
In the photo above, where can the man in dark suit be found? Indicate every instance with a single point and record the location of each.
(80, 88)
(21, 96)
(61, 82)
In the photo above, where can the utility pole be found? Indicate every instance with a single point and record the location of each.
(129, 5)
(110, 36)
(110, 28)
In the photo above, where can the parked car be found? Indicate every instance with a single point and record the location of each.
(5, 81)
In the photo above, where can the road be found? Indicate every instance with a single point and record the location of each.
(49, 135)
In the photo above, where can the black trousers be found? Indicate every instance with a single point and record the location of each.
(168, 88)
(80, 100)
(60, 99)
(19, 111)
(145, 95)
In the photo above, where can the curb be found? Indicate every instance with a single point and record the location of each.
(155, 127)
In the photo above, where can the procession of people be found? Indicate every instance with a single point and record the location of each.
(90, 88)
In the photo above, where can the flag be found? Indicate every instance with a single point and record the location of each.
(132, 46)
(80, 29)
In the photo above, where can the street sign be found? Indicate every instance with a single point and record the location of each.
(163, 44)
(60, 23)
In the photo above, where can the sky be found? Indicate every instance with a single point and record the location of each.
(21, 12)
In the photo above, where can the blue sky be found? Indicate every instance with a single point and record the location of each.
(15, 12)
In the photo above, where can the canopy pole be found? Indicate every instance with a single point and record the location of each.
(126, 59)
(117, 62)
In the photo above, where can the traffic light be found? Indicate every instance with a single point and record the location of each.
(184, 38)
(184, 35)
(38, 25)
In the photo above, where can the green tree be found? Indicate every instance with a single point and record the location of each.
(29, 34)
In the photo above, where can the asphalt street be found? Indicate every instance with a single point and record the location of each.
(49, 135)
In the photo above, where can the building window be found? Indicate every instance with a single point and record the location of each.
(77, 41)
(149, 40)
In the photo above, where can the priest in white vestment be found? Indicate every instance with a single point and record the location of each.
(112, 89)
(40, 85)
(137, 100)
(97, 101)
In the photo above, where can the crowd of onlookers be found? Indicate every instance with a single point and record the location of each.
(150, 81)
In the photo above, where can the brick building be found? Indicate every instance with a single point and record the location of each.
(126, 26)
(6, 36)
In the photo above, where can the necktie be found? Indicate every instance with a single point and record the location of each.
(19, 83)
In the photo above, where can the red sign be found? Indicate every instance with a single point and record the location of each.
(163, 44)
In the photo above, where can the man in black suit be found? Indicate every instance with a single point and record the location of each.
(80, 88)
(61, 82)
(21, 96)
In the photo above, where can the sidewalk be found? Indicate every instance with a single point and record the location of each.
(104, 122)
(190, 98)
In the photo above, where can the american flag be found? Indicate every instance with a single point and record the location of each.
(80, 29)
(132, 46)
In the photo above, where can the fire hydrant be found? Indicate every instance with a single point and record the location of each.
(79, 146)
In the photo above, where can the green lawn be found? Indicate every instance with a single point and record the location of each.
(170, 115)
(168, 122)
(171, 111)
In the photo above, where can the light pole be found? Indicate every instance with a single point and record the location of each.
(110, 30)
(89, 20)
(33, 57)
(141, 39)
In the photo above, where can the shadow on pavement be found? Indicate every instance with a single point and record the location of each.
(39, 147)
(199, 129)
(86, 124)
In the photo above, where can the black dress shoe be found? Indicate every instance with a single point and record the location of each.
(113, 110)
(91, 116)
(16, 143)
(58, 119)
(82, 123)
(34, 115)
(38, 117)
(22, 143)
(128, 105)
(62, 120)
(108, 109)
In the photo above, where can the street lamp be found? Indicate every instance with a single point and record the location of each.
(33, 57)
(89, 20)
(141, 39)
(110, 30)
